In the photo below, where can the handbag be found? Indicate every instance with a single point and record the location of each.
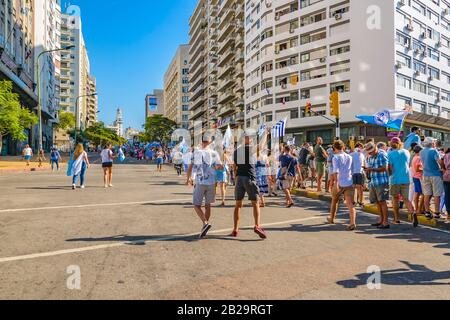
(284, 172)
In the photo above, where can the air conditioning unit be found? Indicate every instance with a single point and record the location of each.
(416, 73)
(417, 51)
(338, 16)
(252, 4)
(401, 3)
(398, 65)
(409, 47)
(445, 12)
(430, 78)
(277, 51)
(323, 60)
(438, 99)
(423, 35)
(292, 30)
(283, 86)
(277, 17)
(409, 27)
(439, 44)
(424, 54)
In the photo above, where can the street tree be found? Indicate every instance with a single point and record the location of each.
(14, 118)
(98, 134)
(158, 128)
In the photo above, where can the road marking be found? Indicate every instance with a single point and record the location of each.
(94, 205)
(143, 241)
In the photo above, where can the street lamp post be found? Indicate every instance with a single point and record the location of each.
(76, 113)
(39, 89)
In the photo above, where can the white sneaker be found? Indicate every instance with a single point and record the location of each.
(111, 186)
(82, 187)
(74, 187)
(106, 186)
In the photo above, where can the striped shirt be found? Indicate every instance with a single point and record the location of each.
(380, 160)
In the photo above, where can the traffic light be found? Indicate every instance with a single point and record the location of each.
(308, 108)
(335, 106)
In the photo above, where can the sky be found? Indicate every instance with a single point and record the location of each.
(130, 45)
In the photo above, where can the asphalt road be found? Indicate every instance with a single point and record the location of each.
(139, 240)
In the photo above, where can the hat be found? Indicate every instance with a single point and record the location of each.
(370, 147)
(418, 149)
(396, 140)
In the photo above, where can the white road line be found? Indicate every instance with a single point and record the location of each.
(94, 205)
(120, 244)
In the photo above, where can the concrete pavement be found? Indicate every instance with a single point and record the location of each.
(138, 240)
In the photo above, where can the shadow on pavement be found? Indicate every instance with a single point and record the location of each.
(413, 275)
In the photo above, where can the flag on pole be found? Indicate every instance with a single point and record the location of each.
(392, 119)
(279, 129)
(291, 142)
(262, 129)
(227, 138)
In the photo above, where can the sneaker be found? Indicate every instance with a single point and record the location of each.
(429, 215)
(82, 187)
(74, 187)
(205, 230)
(437, 216)
(111, 186)
(260, 232)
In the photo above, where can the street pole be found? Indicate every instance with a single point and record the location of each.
(77, 102)
(338, 129)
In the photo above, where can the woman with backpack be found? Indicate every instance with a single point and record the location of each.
(54, 159)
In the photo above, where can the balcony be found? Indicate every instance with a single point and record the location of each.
(226, 57)
(226, 83)
(228, 42)
(225, 97)
(198, 91)
(225, 70)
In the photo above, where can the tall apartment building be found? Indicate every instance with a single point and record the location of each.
(17, 61)
(203, 63)
(230, 42)
(47, 36)
(75, 76)
(377, 54)
(92, 102)
(154, 103)
(176, 88)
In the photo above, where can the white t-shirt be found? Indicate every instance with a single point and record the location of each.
(27, 152)
(204, 161)
(106, 155)
(358, 161)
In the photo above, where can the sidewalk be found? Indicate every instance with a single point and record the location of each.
(12, 164)
(372, 209)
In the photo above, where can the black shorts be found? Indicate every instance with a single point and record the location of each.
(246, 185)
(358, 179)
(107, 165)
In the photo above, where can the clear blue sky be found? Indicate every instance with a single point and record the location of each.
(130, 45)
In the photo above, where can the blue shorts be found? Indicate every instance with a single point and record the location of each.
(221, 176)
(159, 161)
(417, 186)
(27, 158)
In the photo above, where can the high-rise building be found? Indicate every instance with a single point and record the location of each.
(203, 63)
(47, 36)
(230, 39)
(176, 88)
(17, 62)
(117, 125)
(377, 54)
(76, 81)
(154, 103)
(92, 102)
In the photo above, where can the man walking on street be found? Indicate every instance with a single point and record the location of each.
(399, 159)
(289, 166)
(376, 171)
(432, 183)
(358, 163)
(343, 177)
(205, 162)
(244, 169)
(321, 159)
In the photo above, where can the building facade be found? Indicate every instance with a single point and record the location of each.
(17, 57)
(47, 36)
(117, 125)
(76, 81)
(377, 54)
(176, 88)
(154, 103)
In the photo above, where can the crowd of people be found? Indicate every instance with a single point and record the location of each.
(409, 175)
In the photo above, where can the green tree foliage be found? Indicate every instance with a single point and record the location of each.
(14, 118)
(66, 121)
(158, 128)
(98, 134)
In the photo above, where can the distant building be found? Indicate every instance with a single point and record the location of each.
(176, 88)
(154, 103)
(117, 125)
(131, 134)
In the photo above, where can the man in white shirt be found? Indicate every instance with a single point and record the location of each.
(27, 153)
(358, 164)
(205, 162)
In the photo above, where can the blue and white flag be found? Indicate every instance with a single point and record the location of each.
(279, 129)
(227, 138)
(262, 129)
(391, 119)
(291, 142)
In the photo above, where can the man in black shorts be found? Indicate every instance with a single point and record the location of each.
(303, 162)
(245, 179)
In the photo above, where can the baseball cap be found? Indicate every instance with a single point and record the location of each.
(370, 147)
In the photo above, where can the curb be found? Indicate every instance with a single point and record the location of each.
(372, 209)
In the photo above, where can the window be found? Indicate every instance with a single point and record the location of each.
(433, 91)
(294, 114)
(403, 60)
(185, 107)
(403, 81)
(433, 73)
(402, 39)
(420, 66)
(185, 71)
(420, 86)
